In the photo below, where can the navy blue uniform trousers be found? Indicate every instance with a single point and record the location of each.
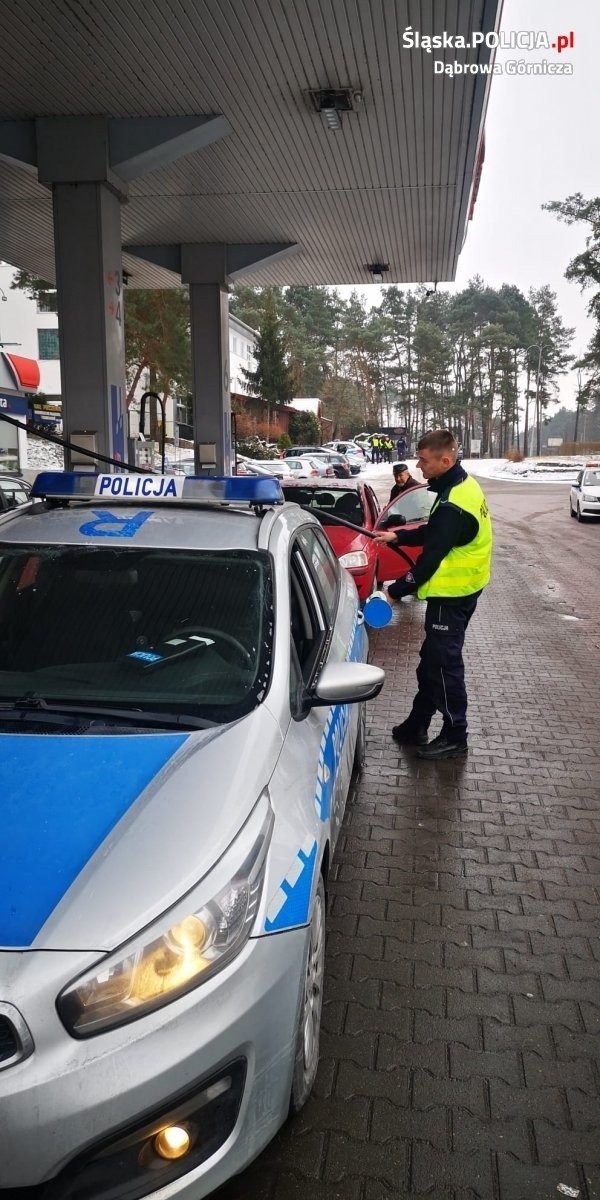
(441, 671)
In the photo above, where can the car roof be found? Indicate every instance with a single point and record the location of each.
(330, 484)
(147, 511)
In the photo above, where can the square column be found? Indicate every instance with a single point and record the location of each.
(87, 232)
(211, 405)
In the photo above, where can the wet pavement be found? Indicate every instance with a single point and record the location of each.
(461, 1025)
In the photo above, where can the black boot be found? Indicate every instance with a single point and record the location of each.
(410, 734)
(445, 745)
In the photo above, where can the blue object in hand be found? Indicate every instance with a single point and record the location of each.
(377, 611)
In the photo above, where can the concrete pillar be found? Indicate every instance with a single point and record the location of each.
(207, 268)
(88, 161)
(211, 405)
(87, 237)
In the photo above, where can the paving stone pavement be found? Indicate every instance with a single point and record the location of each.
(461, 1024)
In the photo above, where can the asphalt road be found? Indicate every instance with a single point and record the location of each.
(532, 526)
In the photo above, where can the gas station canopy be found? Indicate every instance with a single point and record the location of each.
(316, 130)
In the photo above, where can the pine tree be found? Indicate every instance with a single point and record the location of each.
(271, 379)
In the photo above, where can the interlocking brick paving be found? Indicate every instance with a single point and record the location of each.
(461, 1024)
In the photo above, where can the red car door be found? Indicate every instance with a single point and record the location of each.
(410, 510)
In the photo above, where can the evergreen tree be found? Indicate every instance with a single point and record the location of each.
(271, 379)
(585, 270)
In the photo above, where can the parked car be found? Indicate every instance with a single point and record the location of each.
(182, 701)
(342, 468)
(584, 499)
(14, 491)
(356, 502)
(348, 448)
(249, 467)
(305, 467)
(296, 451)
(370, 563)
(274, 466)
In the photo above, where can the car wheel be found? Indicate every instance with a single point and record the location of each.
(360, 749)
(571, 510)
(309, 1017)
(580, 516)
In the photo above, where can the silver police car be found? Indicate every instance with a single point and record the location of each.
(182, 683)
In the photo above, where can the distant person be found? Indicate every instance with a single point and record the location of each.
(376, 448)
(401, 447)
(451, 574)
(403, 480)
(388, 447)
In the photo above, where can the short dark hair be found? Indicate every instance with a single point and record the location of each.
(441, 441)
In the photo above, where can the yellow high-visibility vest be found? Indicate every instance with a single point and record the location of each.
(465, 569)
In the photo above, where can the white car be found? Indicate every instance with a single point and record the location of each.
(278, 467)
(584, 500)
(183, 674)
(305, 467)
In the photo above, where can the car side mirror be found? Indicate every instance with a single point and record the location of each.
(346, 683)
(392, 519)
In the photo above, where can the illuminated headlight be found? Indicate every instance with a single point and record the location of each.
(591, 498)
(357, 559)
(171, 957)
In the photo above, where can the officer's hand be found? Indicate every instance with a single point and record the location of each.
(405, 586)
(381, 536)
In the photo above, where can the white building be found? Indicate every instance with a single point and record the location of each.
(30, 329)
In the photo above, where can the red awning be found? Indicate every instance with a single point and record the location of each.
(25, 371)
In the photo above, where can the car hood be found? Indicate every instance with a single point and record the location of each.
(101, 834)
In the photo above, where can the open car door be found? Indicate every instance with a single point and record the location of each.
(410, 510)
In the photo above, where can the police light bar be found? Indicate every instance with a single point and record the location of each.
(150, 489)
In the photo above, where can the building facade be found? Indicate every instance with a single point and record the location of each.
(30, 328)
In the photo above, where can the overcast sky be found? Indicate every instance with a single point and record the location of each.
(542, 143)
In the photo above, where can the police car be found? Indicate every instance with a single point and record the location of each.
(584, 500)
(183, 671)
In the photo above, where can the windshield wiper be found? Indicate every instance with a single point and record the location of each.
(32, 704)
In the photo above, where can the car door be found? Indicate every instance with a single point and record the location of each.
(408, 511)
(311, 780)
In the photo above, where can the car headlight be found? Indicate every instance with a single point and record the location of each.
(173, 956)
(590, 497)
(357, 558)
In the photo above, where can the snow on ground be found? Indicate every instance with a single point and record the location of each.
(531, 470)
(44, 455)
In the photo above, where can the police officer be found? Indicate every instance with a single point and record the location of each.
(388, 447)
(450, 574)
(376, 446)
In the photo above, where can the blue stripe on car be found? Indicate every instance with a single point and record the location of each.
(294, 894)
(61, 796)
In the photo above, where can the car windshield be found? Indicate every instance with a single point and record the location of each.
(185, 633)
(339, 502)
(592, 479)
(414, 505)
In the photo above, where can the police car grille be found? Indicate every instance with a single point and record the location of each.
(9, 1043)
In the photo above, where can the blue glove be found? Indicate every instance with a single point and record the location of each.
(402, 587)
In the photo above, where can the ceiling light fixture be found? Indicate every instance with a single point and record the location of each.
(332, 102)
(378, 271)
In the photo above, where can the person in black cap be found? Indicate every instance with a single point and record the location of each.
(403, 480)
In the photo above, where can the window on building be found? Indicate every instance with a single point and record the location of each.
(48, 343)
(47, 302)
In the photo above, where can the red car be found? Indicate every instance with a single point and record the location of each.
(368, 562)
